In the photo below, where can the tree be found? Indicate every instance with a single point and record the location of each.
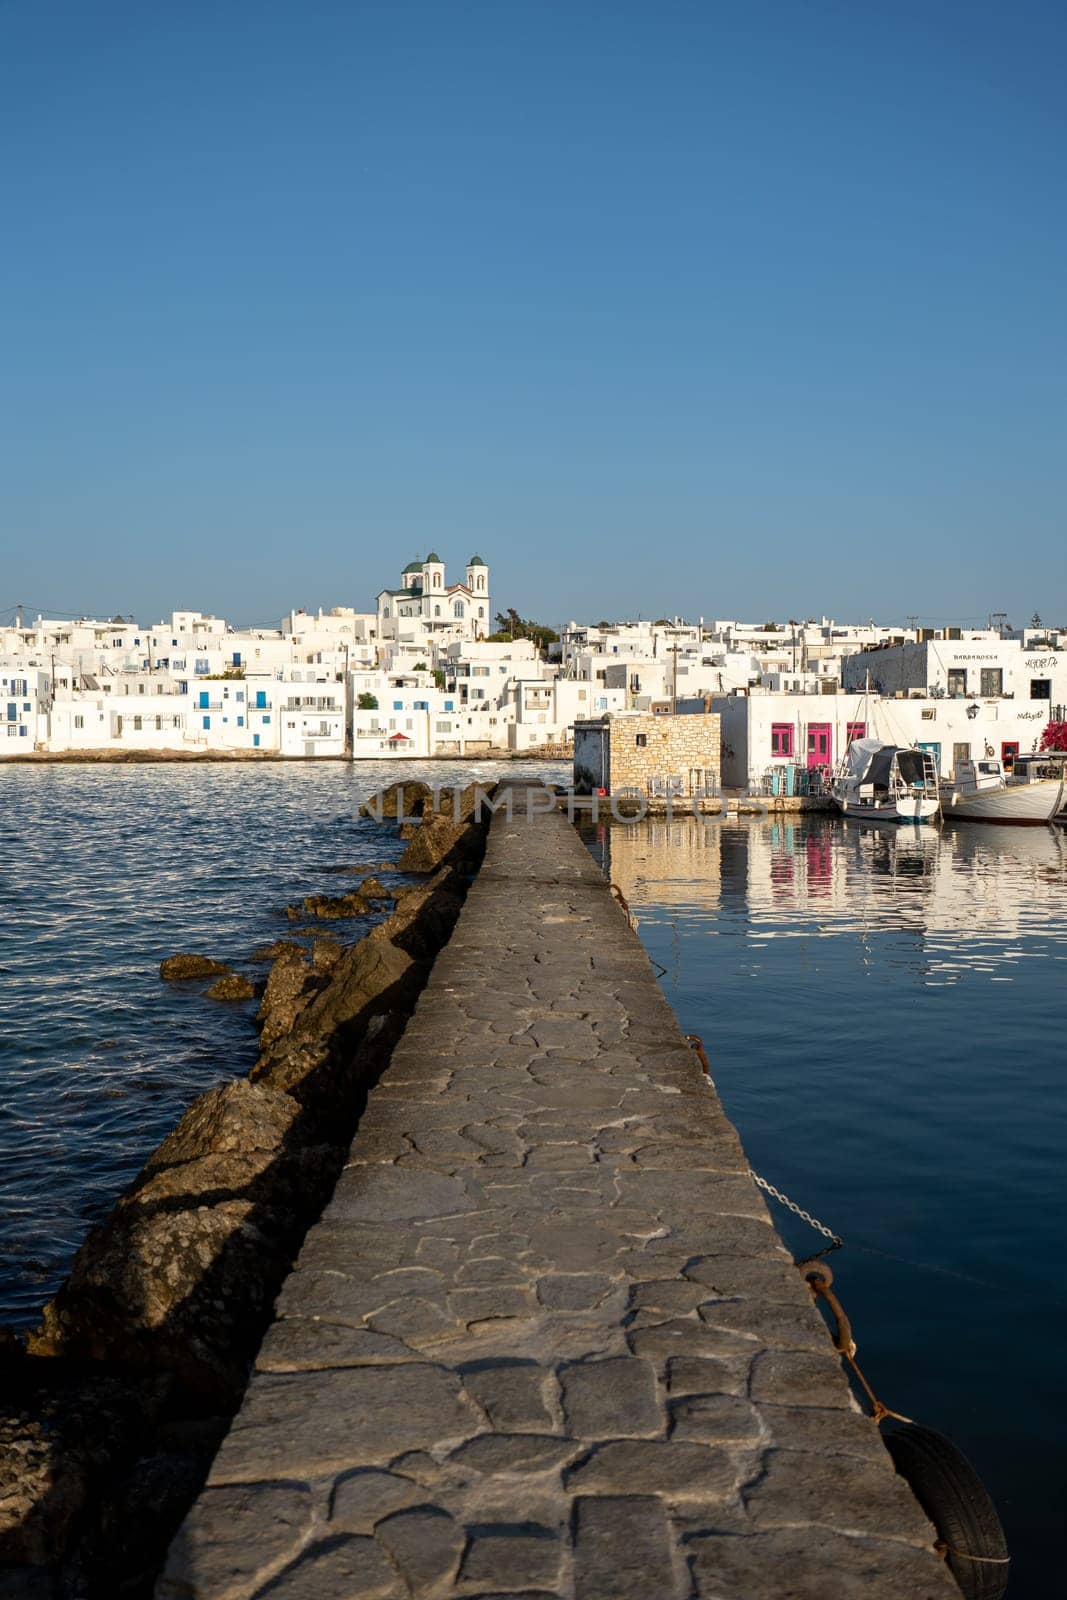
(511, 626)
(420, 666)
(1054, 736)
(1035, 620)
(367, 702)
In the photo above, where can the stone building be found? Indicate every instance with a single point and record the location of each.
(647, 753)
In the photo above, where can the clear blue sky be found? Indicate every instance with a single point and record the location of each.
(733, 309)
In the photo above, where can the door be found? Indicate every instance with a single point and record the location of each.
(820, 735)
(935, 751)
(855, 730)
(960, 754)
(1008, 752)
(205, 699)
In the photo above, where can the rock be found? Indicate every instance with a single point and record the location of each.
(176, 969)
(371, 978)
(234, 1116)
(291, 985)
(271, 952)
(374, 889)
(458, 804)
(183, 1273)
(330, 905)
(425, 914)
(145, 1508)
(56, 1436)
(184, 1289)
(325, 954)
(433, 841)
(232, 987)
(399, 800)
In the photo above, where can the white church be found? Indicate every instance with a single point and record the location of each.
(426, 604)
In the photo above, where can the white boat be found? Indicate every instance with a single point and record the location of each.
(981, 791)
(886, 783)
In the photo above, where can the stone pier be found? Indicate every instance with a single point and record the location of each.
(545, 1342)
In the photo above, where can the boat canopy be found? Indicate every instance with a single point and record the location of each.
(871, 761)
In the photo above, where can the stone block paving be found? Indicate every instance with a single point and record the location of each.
(545, 1342)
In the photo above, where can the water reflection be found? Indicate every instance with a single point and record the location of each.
(883, 1009)
(967, 893)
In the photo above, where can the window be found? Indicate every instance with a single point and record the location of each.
(450, 705)
(266, 720)
(240, 722)
(929, 714)
(641, 741)
(1040, 689)
(992, 682)
(458, 609)
(207, 722)
(855, 730)
(137, 724)
(398, 705)
(79, 722)
(781, 738)
(957, 683)
(960, 754)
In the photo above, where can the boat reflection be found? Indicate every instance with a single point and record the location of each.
(966, 894)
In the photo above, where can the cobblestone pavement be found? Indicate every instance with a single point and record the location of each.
(544, 1341)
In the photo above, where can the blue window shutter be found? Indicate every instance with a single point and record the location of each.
(207, 722)
(265, 721)
(398, 705)
(240, 722)
(255, 740)
(261, 699)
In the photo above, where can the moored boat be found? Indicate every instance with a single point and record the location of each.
(887, 783)
(981, 791)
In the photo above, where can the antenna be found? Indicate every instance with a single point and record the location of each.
(999, 617)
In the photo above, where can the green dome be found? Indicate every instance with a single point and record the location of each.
(476, 561)
(413, 566)
(433, 556)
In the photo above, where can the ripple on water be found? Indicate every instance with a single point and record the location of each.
(105, 872)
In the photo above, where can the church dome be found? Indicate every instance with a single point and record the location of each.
(433, 556)
(476, 561)
(413, 566)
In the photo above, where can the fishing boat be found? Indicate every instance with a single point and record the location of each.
(981, 791)
(886, 783)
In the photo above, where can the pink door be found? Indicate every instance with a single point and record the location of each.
(819, 737)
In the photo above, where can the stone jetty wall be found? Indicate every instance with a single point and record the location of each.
(544, 1341)
(111, 1411)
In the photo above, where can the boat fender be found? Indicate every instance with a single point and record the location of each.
(969, 1534)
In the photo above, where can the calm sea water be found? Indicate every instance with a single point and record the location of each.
(103, 872)
(885, 1015)
(884, 1011)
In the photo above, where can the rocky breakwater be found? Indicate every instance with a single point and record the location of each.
(112, 1409)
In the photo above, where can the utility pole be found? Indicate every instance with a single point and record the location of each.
(1000, 618)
